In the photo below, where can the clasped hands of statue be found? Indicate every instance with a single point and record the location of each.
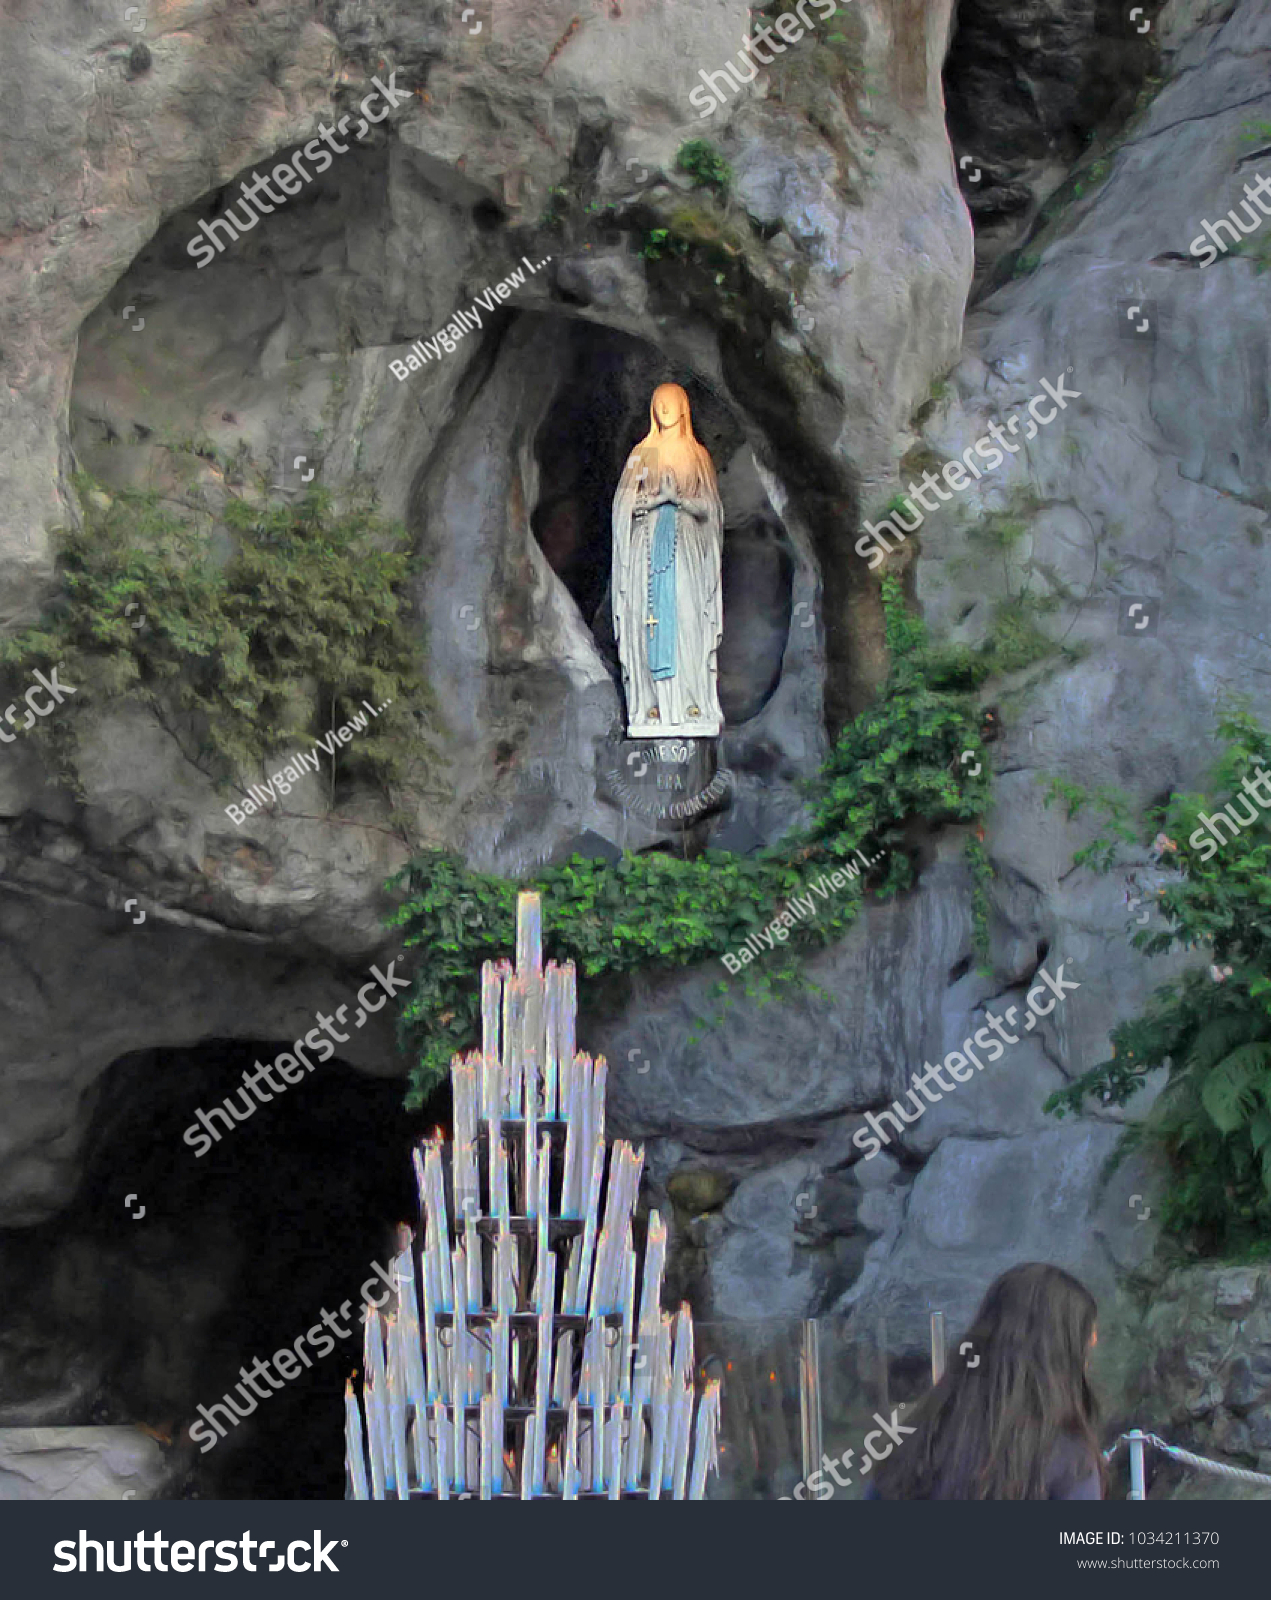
(668, 494)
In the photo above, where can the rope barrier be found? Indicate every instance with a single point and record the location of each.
(1219, 1468)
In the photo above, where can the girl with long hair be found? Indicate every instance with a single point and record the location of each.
(1014, 1416)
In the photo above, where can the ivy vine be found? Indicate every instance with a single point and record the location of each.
(899, 763)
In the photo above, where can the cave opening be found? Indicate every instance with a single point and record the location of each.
(170, 1271)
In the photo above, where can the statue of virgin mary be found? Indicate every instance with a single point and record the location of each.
(668, 535)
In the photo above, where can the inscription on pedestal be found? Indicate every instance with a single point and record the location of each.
(671, 782)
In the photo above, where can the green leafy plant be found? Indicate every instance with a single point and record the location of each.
(236, 657)
(704, 164)
(659, 243)
(1211, 1030)
(900, 762)
(1113, 807)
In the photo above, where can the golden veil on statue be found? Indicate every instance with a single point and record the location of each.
(668, 617)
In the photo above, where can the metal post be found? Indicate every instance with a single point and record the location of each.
(1138, 1481)
(810, 1398)
(937, 1346)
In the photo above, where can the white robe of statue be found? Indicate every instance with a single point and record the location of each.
(667, 576)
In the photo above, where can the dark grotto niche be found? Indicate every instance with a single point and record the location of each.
(600, 411)
(237, 1255)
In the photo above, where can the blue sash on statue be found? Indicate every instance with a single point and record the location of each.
(661, 635)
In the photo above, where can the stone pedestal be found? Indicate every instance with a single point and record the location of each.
(669, 784)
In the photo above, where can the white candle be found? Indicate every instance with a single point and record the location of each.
(529, 1170)
(659, 1406)
(644, 1361)
(373, 1399)
(586, 1438)
(683, 1405)
(441, 1429)
(505, 1271)
(460, 1390)
(566, 1020)
(438, 1223)
(562, 1380)
(513, 1046)
(569, 1471)
(614, 1469)
(543, 1375)
(459, 1277)
(433, 1373)
(598, 1443)
(706, 1444)
(416, 1384)
(529, 931)
(589, 1231)
(491, 998)
(487, 1445)
(472, 1253)
(354, 1449)
(628, 1320)
(599, 1078)
(676, 1460)
(396, 1407)
(499, 1347)
(528, 1456)
(499, 1176)
(534, 1049)
(551, 1026)
(569, 1197)
(498, 1433)
(544, 1210)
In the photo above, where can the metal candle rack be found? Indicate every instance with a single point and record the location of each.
(517, 1361)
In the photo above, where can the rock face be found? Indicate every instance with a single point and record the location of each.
(80, 1464)
(1206, 1341)
(817, 321)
